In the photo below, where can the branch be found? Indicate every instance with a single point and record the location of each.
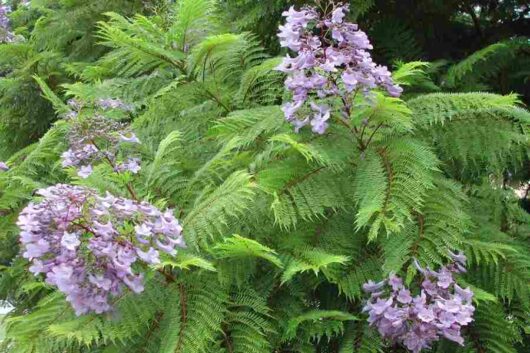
(183, 316)
(229, 347)
(372, 135)
(475, 19)
(129, 187)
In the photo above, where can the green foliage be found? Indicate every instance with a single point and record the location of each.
(237, 247)
(314, 260)
(194, 316)
(488, 63)
(330, 327)
(475, 133)
(53, 35)
(395, 41)
(494, 331)
(318, 216)
(403, 172)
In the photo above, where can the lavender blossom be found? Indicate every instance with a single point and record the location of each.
(326, 65)
(371, 286)
(96, 138)
(3, 167)
(439, 310)
(6, 36)
(110, 103)
(132, 165)
(88, 246)
(85, 171)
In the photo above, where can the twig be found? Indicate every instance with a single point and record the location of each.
(115, 169)
(183, 316)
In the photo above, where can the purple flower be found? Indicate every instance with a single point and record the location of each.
(338, 15)
(3, 166)
(446, 319)
(454, 335)
(132, 165)
(100, 281)
(418, 266)
(449, 305)
(396, 316)
(81, 243)
(70, 241)
(37, 267)
(289, 37)
(395, 282)
(135, 283)
(106, 230)
(336, 67)
(143, 233)
(166, 247)
(380, 306)
(465, 294)
(298, 124)
(426, 314)
(319, 122)
(459, 261)
(445, 278)
(291, 32)
(304, 60)
(74, 104)
(97, 139)
(62, 276)
(150, 256)
(6, 36)
(350, 80)
(465, 316)
(36, 249)
(440, 310)
(404, 296)
(371, 286)
(460, 257)
(299, 18)
(429, 287)
(109, 103)
(68, 158)
(85, 171)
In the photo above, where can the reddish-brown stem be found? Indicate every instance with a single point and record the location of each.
(362, 134)
(168, 276)
(227, 341)
(183, 316)
(84, 227)
(354, 131)
(372, 135)
(131, 191)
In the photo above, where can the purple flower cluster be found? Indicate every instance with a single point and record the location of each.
(104, 104)
(3, 167)
(110, 103)
(332, 59)
(98, 138)
(6, 36)
(440, 310)
(132, 165)
(74, 108)
(92, 247)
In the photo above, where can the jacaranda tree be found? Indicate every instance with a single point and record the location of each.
(195, 195)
